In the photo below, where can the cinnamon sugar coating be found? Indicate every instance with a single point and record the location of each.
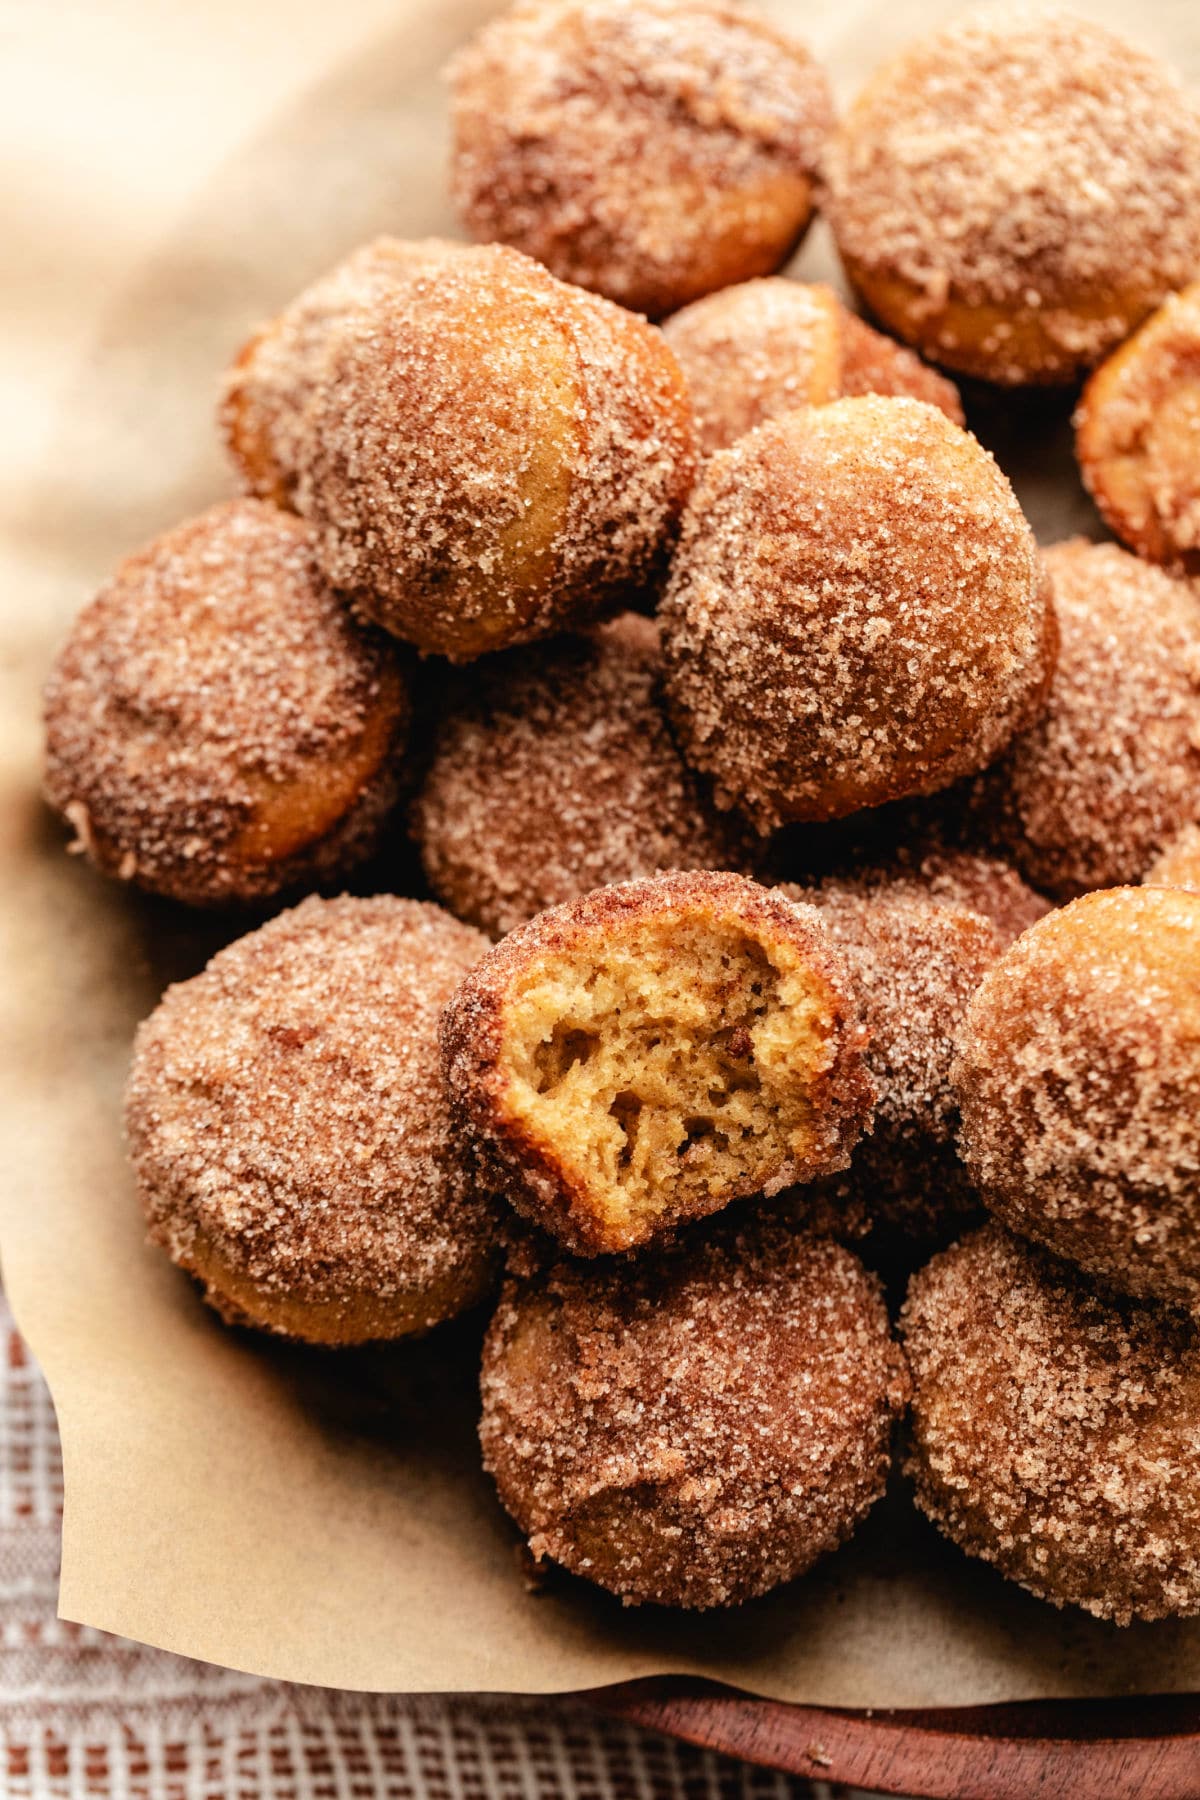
(695, 1427)
(1078, 1079)
(1087, 796)
(654, 1050)
(983, 884)
(1055, 1432)
(855, 613)
(290, 1134)
(555, 774)
(651, 150)
(915, 959)
(217, 728)
(873, 363)
(490, 456)
(1016, 191)
(938, 841)
(1137, 436)
(917, 848)
(764, 348)
(1179, 863)
(265, 392)
(961, 879)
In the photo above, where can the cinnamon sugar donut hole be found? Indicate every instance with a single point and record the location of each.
(932, 841)
(856, 612)
(965, 879)
(1078, 1078)
(264, 394)
(1056, 1432)
(915, 959)
(1088, 795)
(217, 728)
(646, 1054)
(1015, 192)
(651, 150)
(555, 774)
(760, 350)
(1137, 436)
(1179, 864)
(699, 1425)
(873, 363)
(490, 456)
(289, 1131)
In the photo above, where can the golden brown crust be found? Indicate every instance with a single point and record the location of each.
(695, 1427)
(1111, 770)
(1078, 1078)
(1015, 192)
(1055, 1433)
(554, 773)
(554, 1182)
(217, 728)
(1006, 346)
(490, 456)
(265, 392)
(652, 152)
(762, 349)
(856, 612)
(289, 1131)
(341, 1320)
(1137, 436)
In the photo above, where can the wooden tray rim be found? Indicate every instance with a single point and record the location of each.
(1137, 1747)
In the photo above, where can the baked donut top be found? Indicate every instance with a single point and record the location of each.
(287, 1105)
(720, 67)
(557, 774)
(1021, 158)
(493, 448)
(917, 960)
(213, 670)
(1057, 1428)
(743, 1379)
(1096, 786)
(856, 581)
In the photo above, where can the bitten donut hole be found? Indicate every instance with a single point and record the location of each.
(1138, 433)
(1150, 483)
(1165, 478)
(672, 1058)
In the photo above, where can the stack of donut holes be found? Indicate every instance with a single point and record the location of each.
(805, 904)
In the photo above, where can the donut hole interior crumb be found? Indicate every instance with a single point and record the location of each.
(1158, 480)
(670, 1068)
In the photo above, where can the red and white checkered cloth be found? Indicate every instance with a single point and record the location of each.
(86, 1716)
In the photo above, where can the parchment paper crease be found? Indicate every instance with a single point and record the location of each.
(311, 1517)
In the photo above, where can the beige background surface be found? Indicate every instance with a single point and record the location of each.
(174, 173)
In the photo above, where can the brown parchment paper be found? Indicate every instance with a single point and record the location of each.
(317, 1517)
